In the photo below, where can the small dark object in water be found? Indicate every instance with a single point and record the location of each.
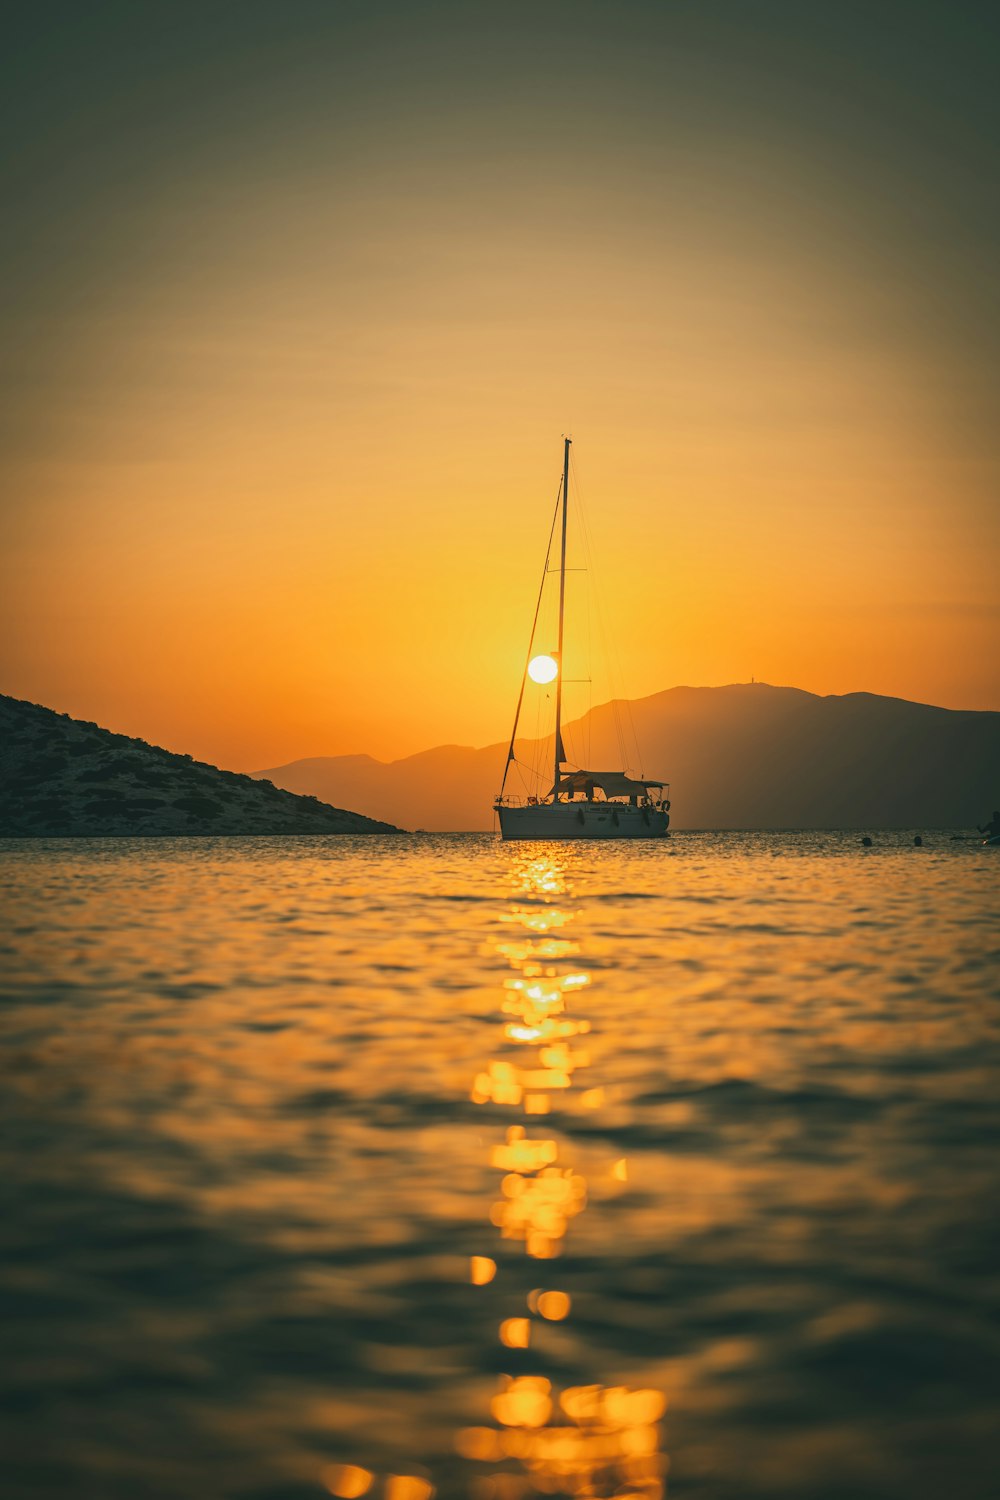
(866, 841)
(992, 828)
(918, 841)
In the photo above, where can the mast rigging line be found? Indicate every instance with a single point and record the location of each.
(615, 673)
(560, 754)
(531, 638)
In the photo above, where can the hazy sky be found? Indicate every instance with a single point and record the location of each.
(299, 299)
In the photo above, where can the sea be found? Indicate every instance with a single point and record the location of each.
(436, 1166)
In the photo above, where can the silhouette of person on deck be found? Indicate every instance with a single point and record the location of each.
(992, 828)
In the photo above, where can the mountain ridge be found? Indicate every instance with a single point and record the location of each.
(364, 756)
(746, 755)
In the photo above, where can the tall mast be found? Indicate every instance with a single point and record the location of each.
(559, 757)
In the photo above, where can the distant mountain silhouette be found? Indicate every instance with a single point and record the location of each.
(745, 756)
(62, 777)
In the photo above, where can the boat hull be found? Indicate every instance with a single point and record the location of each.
(582, 820)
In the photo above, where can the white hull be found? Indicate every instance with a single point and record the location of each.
(582, 820)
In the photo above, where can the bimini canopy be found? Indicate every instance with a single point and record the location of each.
(611, 783)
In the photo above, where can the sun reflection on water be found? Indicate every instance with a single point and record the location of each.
(586, 1440)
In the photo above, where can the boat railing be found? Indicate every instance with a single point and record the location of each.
(655, 803)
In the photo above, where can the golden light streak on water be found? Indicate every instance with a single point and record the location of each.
(592, 1440)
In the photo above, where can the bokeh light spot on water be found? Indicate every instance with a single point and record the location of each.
(554, 1305)
(524, 1402)
(481, 1269)
(347, 1481)
(408, 1487)
(515, 1333)
(523, 1155)
(481, 1444)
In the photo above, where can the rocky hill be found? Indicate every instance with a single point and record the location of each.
(745, 756)
(62, 777)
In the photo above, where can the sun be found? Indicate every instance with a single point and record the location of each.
(543, 668)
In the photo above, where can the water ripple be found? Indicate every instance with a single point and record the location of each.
(298, 1134)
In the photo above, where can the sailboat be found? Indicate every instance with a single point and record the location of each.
(581, 804)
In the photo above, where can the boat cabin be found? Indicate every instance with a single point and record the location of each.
(614, 786)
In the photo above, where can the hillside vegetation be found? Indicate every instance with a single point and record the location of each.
(63, 777)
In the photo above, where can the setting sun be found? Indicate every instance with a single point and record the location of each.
(543, 669)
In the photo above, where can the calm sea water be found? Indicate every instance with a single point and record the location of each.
(400, 1166)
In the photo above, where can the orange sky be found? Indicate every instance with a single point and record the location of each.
(296, 325)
